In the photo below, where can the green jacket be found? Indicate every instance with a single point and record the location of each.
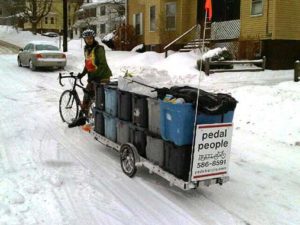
(95, 63)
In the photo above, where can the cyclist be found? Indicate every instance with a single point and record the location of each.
(97, 69)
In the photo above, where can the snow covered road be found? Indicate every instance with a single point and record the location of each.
(50, 174)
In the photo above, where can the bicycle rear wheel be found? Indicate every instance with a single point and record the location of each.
(68, 107)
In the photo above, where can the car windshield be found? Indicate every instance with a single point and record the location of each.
(46, 47)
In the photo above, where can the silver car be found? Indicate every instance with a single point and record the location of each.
(41, 54)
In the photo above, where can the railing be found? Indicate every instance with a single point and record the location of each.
(181, 36)
(208, 63)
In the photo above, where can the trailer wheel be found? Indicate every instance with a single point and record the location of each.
(127, 159)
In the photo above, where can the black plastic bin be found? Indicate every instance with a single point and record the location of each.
(99, 121)
(124, 105)
(100, 96)
(177, 160)
(140, 110)
(139, 139)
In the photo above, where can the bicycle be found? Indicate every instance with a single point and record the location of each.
(69, 102)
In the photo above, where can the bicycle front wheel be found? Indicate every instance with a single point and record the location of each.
(68, 107)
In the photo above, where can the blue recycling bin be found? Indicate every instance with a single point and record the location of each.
(111, 100)
(177, 121)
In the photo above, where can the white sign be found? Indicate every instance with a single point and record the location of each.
(211, 151)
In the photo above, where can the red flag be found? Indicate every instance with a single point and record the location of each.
(208, 8)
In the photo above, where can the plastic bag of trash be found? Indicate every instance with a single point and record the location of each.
(208, 103)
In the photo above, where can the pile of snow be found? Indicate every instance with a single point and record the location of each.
(138, 47)
(213, 52)
(108, 37)
(21, 38)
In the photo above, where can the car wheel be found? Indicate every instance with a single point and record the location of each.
(31, 66)
(19, 62)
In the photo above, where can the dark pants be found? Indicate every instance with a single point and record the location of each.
(89, 94)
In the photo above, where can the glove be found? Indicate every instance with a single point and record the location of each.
(80, 75)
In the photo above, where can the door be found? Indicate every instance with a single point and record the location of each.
(200, 12)
(23, 54)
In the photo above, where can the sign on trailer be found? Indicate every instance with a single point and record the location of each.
(211, 151)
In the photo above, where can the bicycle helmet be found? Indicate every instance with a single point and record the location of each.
(88, 33)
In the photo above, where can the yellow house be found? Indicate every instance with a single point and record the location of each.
(54, 20)
(268, 28)
(271, 28)
(158, 22)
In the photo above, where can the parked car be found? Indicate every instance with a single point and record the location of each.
(41, 54)
(50, 34)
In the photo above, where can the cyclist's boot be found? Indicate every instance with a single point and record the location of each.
(87, 127)
(79, 122)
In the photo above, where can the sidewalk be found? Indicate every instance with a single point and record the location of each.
(12, 47)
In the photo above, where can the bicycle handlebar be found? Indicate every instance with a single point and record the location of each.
(60, 77)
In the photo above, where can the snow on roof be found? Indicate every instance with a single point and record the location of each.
(99, 2)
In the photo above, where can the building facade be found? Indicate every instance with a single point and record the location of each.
(158, 22)
(271, 28)
(103, 17)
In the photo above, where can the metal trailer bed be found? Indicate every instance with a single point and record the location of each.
(130, 160)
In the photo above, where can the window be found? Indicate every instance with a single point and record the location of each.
(102, 10)
(46, 20)
(41, 47)
(102, 28)
(152, 19)
(138, 23)
(27, 47)
(31, 48)
(92, 12)
(171, 16)
(257, 7)
(52, 20)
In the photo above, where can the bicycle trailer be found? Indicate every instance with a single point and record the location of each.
(180, 141)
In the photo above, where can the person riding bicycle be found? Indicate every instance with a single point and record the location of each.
(97, 69)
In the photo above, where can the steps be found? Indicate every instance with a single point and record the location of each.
(197, 42)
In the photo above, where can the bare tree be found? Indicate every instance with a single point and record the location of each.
(33, 10)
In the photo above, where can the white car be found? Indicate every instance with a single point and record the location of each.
(41, 54)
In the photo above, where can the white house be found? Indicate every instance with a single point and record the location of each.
(103, 16)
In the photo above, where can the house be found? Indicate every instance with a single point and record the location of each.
(53, 21)
(251, 28)
(159, 22)
(271, 28)
(103, 16)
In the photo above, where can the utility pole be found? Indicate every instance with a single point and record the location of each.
(65, 26)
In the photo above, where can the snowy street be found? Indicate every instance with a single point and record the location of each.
(50, 174)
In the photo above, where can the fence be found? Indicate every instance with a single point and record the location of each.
(262, 62)
(226, 34)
